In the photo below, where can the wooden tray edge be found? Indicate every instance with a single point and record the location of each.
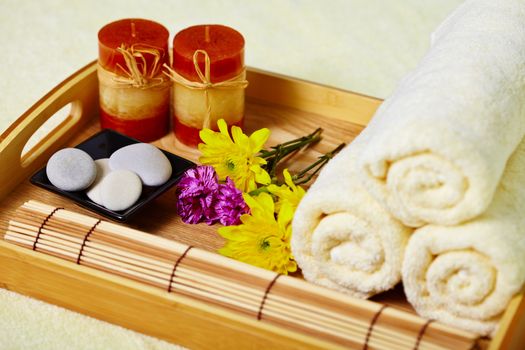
(295, 93)
(109, 298)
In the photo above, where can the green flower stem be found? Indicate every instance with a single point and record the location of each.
(258, 191)
(293, 144)
(282, 150)
(303, 176)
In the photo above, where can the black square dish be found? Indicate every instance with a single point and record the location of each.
(102, 145)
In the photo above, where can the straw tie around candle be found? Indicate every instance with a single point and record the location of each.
(137, 73)
(237, 82)
(216, 280)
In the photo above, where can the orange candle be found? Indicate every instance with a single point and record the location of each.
(134, 93)
(210, 77)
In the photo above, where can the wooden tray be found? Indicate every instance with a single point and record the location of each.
(289, 107)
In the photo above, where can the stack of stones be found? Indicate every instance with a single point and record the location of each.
(115, 182)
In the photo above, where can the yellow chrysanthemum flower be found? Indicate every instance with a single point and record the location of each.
(261, 239)
(236, 156)
(287, 193)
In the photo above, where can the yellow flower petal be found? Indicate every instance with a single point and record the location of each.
(261, 176)
(260, 239)
(235, 156)
(285, 215)
(287, 193)
(259, 138)
(223, 127)
(238, 136)
(206, 135)
(288, 179)
(250, 201)
(266, 202)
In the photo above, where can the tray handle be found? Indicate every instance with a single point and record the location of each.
(76, 90)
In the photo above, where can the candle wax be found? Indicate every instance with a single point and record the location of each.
(225, 48)
(133, 31)
(145, 130)
(139, 112)
(224, 45)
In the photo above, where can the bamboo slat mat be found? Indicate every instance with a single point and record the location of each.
(269, 297)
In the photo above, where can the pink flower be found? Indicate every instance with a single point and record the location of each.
(230, 204)
(202, 199)
(196, 192)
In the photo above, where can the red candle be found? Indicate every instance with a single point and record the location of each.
(202, 104)
(134, 93)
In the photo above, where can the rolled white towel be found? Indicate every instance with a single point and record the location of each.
(342, 238)
(438, 146)
(465, 275)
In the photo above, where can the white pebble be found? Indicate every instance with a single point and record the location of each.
(103, 170)
(120, 189)
(146, 160)
(71, 169)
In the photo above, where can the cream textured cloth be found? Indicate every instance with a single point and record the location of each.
(342, 238)
(29, 324)
(438, 146)
(360, 45)
(465, 275)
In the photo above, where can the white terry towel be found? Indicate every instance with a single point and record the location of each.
(438, 146)
(342, 238)
(465, 275)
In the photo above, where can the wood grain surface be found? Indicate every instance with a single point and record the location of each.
(160, 217)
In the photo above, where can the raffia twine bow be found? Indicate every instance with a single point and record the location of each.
(137, 74)
(237, 82)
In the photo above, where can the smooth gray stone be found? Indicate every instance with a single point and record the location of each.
(71, 169)
(103, 169)
(120, 189)
(146, 160)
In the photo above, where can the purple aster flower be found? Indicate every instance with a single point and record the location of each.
(230, 205)
(197, 191)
